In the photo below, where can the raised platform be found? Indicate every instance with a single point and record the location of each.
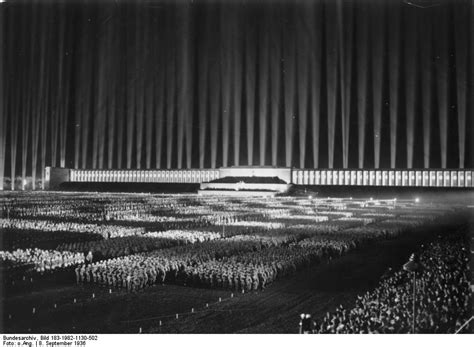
(239, 193)
(282, 173)
(277, 188)
(248, 185)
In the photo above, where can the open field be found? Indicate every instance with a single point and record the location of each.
(83, 262)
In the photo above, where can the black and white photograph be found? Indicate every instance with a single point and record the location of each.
(249, 167)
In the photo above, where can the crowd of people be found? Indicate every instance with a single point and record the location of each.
(138, 240)
(239, 262)
(120, 246)
(187, 236)
(41, 259)
(44, 225)
(13, 239)
(442, 295)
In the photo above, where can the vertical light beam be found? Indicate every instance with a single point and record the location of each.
(275, 71)
(410, 81)
(331, 76)
(345, 20)
(377, 76)
(302, 70)
(442, 83)
(461, 26)
(315, 77)
(215, 89)
(203, 88)
(3, 113)
(289, 84)
(426, 72)
(263, 85)
(362, 72)
(394, 63)
(226, 78)
(250, 60)
(170, 92)
(237, 78)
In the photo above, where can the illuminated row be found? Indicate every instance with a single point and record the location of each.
(144, 176)
(402, 178)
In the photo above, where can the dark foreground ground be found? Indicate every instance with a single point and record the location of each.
(317, 290)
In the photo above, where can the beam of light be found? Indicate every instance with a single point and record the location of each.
(441, 56)
(15, 109)
(140, 90)
(315, 78)
(410, 82)
(289, 85)
(139, 86)
(130, 118)
(226, 78)
(189, 94)
(35, 120)
(56, 113)
(78, 126)
(130, 94)
(362, 71)
(275, 59)
(13, 141)
(64, 110)
(3, 109)
(149, 91)
(331, 76)
(43, 143)
(147, 85)
(158, 109)
(85, 125)
(203, 90)
(214, 110)
(461, 27)
(470, 163)
(250, 88)
(38, 98)
(85, 96)
(182, 38)
(215, 88)
(302, 67)
(263, 44)
(111, 121)
(426, 71)
(45, 110)
(345, 32)
(377, 77)
(159, 116)
(237, 95)
(393, 63)
(112, 82)
(170, 92)
(100, 113)
(120, 124)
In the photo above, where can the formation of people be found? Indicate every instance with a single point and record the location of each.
(120, 246)
(42, 260)
(45, 225)
(243, 262)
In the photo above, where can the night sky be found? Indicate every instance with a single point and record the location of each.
(187, 84)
